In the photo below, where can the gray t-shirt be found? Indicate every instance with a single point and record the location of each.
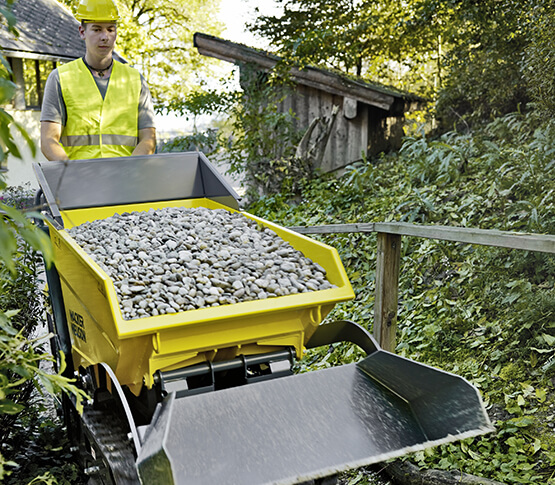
(54, 107)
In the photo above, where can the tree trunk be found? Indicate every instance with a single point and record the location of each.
(405, 473)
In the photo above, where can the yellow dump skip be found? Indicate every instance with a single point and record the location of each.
(137, 348)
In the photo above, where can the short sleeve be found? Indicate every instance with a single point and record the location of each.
(53, 106)
(146, 108)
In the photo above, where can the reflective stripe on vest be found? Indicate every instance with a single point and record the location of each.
(84, 140)
(96, 127)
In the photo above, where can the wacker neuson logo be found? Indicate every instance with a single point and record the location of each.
(77, 325)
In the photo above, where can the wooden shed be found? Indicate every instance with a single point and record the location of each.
(370, 118)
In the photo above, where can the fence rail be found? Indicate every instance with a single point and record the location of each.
(389, 255)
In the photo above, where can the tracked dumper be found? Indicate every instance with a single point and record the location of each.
(209, 396)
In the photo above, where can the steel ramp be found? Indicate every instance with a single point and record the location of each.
(306, 426)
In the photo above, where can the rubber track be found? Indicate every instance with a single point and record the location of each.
(109, 434)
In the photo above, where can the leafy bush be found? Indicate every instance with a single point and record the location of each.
(25, 375)
(206, 142)
(539, 59)
(257, 140)
(24, 378)
(21, 289)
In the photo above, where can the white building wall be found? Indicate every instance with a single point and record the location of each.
(20, 171)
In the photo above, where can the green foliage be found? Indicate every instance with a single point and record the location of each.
(43, 454)
(21, 359)
(487, 314)
(210, 101)
(207, 142)
(157, 37)
(7, 92)
(378, 40)
(479, 60)
(500, 57)
(342, 34)
(14, 222)
(22, 376)
(262, 136)
(483, 73)
(24, 372)
(539, 59)
(470, 56)
(258, 140)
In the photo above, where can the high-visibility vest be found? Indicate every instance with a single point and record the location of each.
(96, 127)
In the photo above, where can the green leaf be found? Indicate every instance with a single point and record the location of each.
(9, 15)
(5, 325)
(24, 371)
(47, 383)
(542, 351)
(541, 394)
(514, 409)
(8, 245)
(38, 240)
(7, 139)
(28, 140)
(548, 339)
(7, 90)
(355, 480)
(522, 421)
(13, 214)
(9, 407)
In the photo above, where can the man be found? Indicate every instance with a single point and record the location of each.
(96, 107)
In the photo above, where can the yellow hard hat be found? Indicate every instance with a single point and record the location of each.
(97, 11)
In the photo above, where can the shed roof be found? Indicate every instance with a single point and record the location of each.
(325, 80)
(47, 30)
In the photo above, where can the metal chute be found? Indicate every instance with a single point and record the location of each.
(311, 425)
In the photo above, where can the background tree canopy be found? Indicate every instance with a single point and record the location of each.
(477, 59)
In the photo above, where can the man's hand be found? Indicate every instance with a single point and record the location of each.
(147, 142)
(50, 134)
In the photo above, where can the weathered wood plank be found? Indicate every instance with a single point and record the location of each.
(340, 141)
(350, 107)
(357, 136)
(387, 289)
(485, 237)
(364, 130)
(326, 106)
(405, 473)
(388, 258)
(302, 107)
(334, 228)
(314, 105)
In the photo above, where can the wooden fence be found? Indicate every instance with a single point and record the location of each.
(389, 257)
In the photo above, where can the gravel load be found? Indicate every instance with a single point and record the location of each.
(176, 259)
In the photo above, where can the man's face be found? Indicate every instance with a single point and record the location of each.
(100, 38)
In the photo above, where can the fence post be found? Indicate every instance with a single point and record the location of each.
(387, 289)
